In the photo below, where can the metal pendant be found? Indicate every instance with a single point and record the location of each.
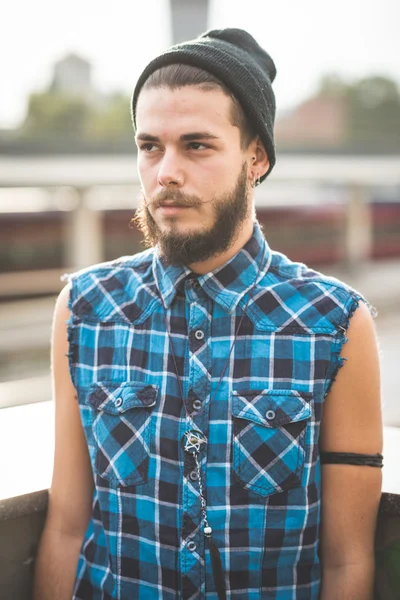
(193, 442)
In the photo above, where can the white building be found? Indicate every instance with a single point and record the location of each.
(72, 75)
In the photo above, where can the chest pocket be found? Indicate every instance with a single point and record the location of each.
(121, 430)
(269, 428)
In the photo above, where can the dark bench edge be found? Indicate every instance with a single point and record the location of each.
(20, 506)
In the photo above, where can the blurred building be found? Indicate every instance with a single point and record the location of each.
(189, 19)
(73, 75)
(319, 122)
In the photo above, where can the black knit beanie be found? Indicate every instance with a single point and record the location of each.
(238, 61)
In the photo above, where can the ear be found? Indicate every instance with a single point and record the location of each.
(257, 159)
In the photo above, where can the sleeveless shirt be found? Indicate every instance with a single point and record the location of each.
(260, 468)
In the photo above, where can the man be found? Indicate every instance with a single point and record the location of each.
(198, 385)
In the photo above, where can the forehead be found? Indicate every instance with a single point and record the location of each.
(163, 109)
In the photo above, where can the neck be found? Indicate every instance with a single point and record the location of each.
(206, 266)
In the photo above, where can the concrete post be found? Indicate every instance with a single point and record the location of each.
(189, 19)
(359, 227)
(83, 234)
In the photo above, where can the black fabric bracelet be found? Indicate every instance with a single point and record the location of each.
(349, 458)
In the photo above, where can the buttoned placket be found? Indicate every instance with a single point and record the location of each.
(196, 403)
(197, 400)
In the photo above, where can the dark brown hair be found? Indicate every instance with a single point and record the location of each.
(180, 75)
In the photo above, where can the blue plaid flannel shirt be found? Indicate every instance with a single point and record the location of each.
(260, 468)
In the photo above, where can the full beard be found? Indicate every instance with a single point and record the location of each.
(230, 211)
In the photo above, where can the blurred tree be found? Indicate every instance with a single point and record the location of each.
(372, 109)
(332, 85)
(374, 113)
(55, 115)
(112, 121)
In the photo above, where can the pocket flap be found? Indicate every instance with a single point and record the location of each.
(116, 399)
(271, 408)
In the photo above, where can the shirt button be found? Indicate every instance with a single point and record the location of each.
(199, 334)
(270, 414)
(194, 475)
(191, 546)
(197, 404)
(118, 402)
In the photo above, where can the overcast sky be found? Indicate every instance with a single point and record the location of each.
(306, 39)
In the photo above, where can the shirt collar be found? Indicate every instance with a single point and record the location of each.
(227, 284)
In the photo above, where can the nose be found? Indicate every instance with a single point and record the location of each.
(169, 173)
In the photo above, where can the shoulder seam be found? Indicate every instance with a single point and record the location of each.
(320, 278)
(117, 264)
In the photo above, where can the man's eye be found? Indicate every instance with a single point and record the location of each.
(148, 147)
(196, 146)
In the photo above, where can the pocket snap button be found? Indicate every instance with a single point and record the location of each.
(199, 334)
(270, 414)
(118, 402)
(191, 546)
(197, 404)
(194, 475)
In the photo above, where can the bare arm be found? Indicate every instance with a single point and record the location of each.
(70, 496)
(350, 494)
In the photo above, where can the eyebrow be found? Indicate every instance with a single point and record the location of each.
(186, 137)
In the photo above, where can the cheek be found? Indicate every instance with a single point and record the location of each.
(147, 175)
(219, 183)
(225, 170)
(215, 175)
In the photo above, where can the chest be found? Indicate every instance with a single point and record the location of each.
(199, 347)
(255, 394)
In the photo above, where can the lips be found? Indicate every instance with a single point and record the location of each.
(169, 209)
(173, 206)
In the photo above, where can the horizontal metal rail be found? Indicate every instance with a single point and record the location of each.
(25, 391)
(84, 171)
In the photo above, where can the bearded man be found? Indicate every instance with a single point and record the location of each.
(208, 445)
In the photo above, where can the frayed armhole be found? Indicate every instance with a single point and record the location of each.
(341, 338)
(71, 328)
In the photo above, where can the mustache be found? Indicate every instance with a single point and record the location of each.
(176, 197)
